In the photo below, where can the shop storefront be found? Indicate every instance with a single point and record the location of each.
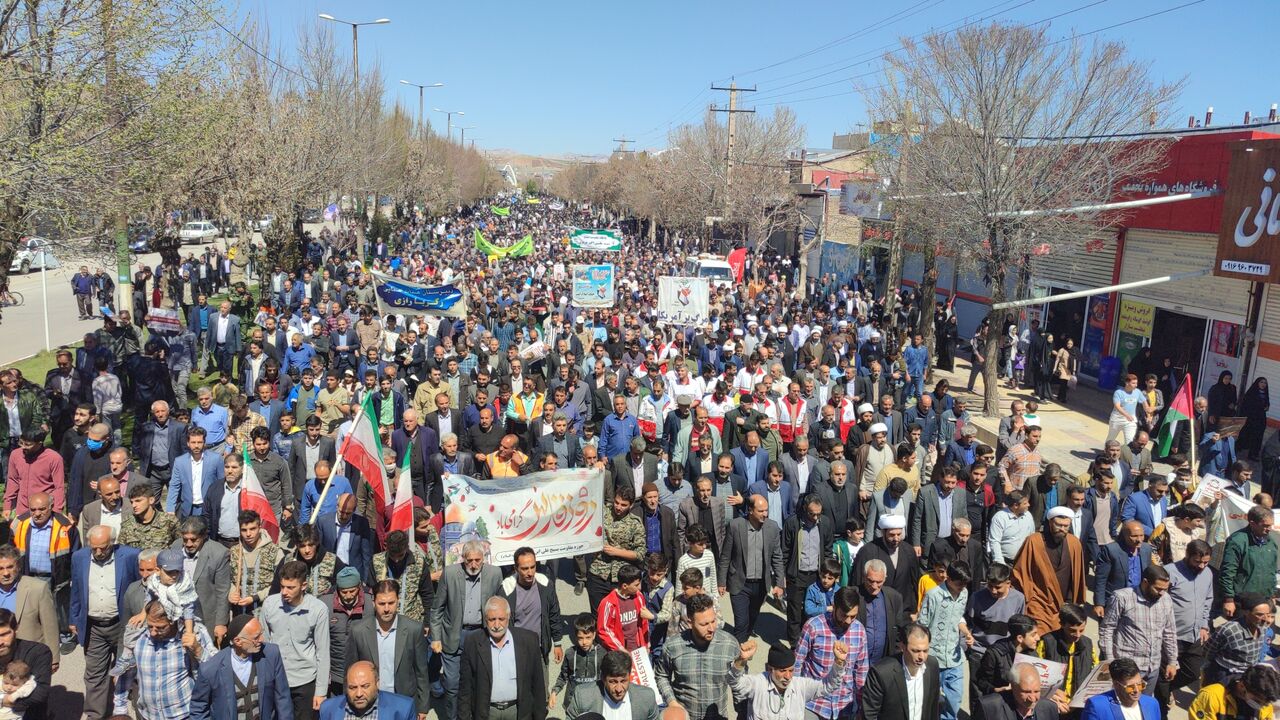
(1077, 266)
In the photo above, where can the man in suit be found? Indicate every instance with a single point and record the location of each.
(929, 519)
(694, 511)
(780, 494)
(891, 418)
(344, 343)
(1113, 564)
(1150, 506)
(502, 669)
(751, 565)
(320, 446)
(348, 536)
(879, 611)
(806, 533)
(797, 470)
(635, 466)
(613, 689)
(392, 637)
(904, 573)
(1021, 701)
(208, 564)
(32, 601)
(362, 694)
(457, 616)
(157, 444)
(425, 443)
(99, 628)
(448, 460)
(264, 405)
(194, 475)
(885, 695)
(749, 461)
(221, 694)
(526, 580)
(224, 337)
(1125, 695)
(650, 510)
(563, 444)
(444, 419)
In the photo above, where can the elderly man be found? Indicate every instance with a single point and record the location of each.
(502, 675)
(899, 559)
(1021, 701)
(613, 692)
(31, 601)
(363, 699)
(777, 694)
(348, 536)
(693, 672)
(1139, 624)
(157, 444)
(244, 680)
(1248, 560)
(162, 658)
(1050, 570)
(457, 613)
(214, 418)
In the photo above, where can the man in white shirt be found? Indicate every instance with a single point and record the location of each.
(1010, 528)
(776, 694)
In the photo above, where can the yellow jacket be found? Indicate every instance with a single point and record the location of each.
(1215, 703)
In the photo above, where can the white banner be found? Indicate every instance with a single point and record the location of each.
(593, 286)
(558, 514)
(683, 300)
(642, 672)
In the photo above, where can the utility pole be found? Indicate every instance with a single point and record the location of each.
(732, 111)
(622, 144)
(120, 221)
(893, 276)
(463, 141)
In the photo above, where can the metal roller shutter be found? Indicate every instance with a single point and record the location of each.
(1077, 264)
(1149, 254)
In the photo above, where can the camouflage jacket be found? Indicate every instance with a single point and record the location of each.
(255, 576)
(413, 583)
(158, 534)
(626, 533)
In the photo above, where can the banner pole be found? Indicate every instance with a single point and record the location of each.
(324, 492)
(1195, 438)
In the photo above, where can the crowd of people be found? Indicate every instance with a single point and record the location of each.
(787, 452)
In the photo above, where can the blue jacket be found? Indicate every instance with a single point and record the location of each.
(1138, 507)
(360, 554)
(311, 495)
(785, 489)
(917, 360)
(390, 707)
(1113, 570)
(270, 411)
(616, 434)
(1105, 707)
(740, 465)
(1216, 457)
(214, 694)
(181, 497)
(198, 318)
(126, 561)
(299, 358)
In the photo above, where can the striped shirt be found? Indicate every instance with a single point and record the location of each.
(815, 656)
(1137, 628)
(698, 678)
(166, 673)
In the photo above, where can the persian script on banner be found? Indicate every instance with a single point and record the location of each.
(593, 286)
(683, 300)
(557, 513)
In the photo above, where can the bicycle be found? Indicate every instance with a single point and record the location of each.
(11, 298)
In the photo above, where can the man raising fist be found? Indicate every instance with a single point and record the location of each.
(795, 691)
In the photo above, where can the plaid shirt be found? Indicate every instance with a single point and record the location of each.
(814, 657)
(1137, 628)
(1231, 650)
(698, 679)
(166, 673)
(1019, 465)
(467, 365)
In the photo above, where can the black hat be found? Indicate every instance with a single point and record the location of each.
(236, 626)
(780, 657)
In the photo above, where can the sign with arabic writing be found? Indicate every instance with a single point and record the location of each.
(1249, 237)
(402, 296)
(593, 286)
(683, 301)
(608, 240)
(557, 513)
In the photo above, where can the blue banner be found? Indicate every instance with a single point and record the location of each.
(403, 296)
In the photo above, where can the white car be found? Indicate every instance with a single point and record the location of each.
(265, 223)
(198, 232)
(33, 254)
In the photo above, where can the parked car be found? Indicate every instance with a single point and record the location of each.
(198, 232)
(313, 215)
(140, 236)
(264, 224)
(34, 254)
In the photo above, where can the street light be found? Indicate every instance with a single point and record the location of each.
(355, 37)
(449, 116)
(422, 122)
(464, 130)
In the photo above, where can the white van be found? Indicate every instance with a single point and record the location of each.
(712, 267)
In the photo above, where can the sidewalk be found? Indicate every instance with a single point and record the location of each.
(1073, 433)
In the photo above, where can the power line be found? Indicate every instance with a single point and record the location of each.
(247, 45)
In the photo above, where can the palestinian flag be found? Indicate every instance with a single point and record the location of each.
(402, 512)
(1180, 410)
(363, 449)
(253, 498)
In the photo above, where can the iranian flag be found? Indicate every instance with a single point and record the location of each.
(402, 511)
(363, 449)
(1180, 410)
(253, 498)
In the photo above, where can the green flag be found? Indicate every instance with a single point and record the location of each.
(500, 211)
(522, 248)
(486, 247)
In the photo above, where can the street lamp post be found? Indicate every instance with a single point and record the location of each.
(422, 121)
(463, 141)
(449, 119)
(355, 37)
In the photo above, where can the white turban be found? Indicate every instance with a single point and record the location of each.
(879, 428)
(1060, 511)
(891, 522)
(865, 408)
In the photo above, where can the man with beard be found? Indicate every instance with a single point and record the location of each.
(960, 545)
(534, 604)
(1139, 624)
(1050, 570)
(91, 462)
(817, 651)
(705, 510)
(879, 611)
(33, 469)
(62, 385)
(1021, 701)
(901, 565)
(483, 438)
(839, 498)
(363, 699)
(776, 694)
(502, 677)
(613, 692)
(348, 604)
(244, 680)
(395, 644)
(806, 539)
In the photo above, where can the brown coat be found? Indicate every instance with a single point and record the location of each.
(1035, 576)
(37, 618)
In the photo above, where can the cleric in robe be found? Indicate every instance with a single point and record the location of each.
(1049, 570)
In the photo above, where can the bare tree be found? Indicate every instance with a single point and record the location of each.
(1019, 125)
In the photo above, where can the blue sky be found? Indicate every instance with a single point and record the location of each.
(565, 76)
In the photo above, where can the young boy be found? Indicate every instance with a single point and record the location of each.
(224, 389)
(676, 607)
(582, 666)
(936, 576)
(943, 613)
(660, 588)
(820, 595)
(1069, 646)
(847, 547)
(282, 441)
(993, 669)
(698, 556)
(623, 622)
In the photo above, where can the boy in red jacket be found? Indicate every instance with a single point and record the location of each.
(623, 619)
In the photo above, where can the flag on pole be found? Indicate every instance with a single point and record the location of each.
(253, 498)
(1180, 410)
(402, 511)
(363, 449)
